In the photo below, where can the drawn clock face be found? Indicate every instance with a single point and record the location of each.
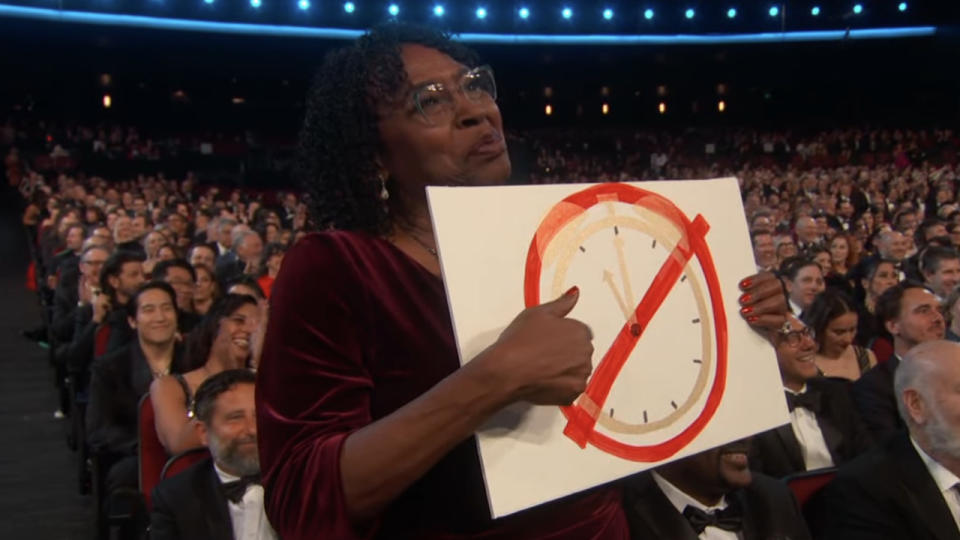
(659, 327)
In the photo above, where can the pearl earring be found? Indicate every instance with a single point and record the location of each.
(384, 194)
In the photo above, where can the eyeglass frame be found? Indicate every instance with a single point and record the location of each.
(795, 337)
(416, 93)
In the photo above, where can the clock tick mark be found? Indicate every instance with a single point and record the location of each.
(611, 413)
(644, 417)
(583, 249)
(696, 321)
(674, 404)
(654, 243)
(697, 361)
(616, 230)
(683, 278)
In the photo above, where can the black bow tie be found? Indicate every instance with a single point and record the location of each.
(728, 519)
(809, 400)
(236, 489)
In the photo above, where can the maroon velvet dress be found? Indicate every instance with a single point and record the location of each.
(357, 330)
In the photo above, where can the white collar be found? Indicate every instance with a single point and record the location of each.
(681, 500)
(223, 475)
(802, 390)
(795, 308)
(944, 479)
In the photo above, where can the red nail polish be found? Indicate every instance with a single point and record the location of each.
(753, 319)
(745, 299)
(573, 291)
(746, 283)
(746, 310)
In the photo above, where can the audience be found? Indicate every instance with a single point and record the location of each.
(712, 495)
(220, 497)
(803, 279)
(120, 378)
(824, 429)
(911, 314)
(834, 320)
(224, 340)
(908, 487)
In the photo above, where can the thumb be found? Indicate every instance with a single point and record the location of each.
(563, 305)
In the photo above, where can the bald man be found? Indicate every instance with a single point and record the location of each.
(908, 487)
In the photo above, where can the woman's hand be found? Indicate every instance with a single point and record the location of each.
(763, 303)
(542, 357)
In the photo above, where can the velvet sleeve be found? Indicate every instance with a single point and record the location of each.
(312, 389)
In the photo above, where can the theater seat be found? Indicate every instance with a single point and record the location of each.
(805, 485)
(181, 461)
(151, 455)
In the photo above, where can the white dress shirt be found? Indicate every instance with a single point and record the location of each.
(795, 308)
(813, 446)
(248, 518)
(681, 500)
(221, 249)
(946, 481)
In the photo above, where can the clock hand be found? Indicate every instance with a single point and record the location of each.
(624, 276)
(608, 279)
(582, 417)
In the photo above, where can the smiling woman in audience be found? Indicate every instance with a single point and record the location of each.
(224, 340)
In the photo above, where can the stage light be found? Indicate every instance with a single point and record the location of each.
(605, 109)
(481, 13)
(858, 8)
(438, 10)
(608, 14)
(349, 7)
(662, 107)
(255, 3)
(731, 13)
(524, 13)
(722, 105)
(690, 13)
(815, 10)
(648, 14)
(107, 101)
(304, 4)
(902, 7)
(393, 10)
(567, 13)
(774, 11)
(548, 110)
(208, 2)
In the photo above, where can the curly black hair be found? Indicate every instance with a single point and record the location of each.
(339, 140)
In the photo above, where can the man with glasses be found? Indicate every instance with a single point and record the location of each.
(69, 297)
(824, 428)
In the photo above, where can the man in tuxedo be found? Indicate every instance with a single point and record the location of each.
(909, 487)
(243, 259)
(911, 313)
(120, 378)
(824, 428)
(219, 498)
(712, 496)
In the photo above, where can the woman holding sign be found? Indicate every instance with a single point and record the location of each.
(366, 418)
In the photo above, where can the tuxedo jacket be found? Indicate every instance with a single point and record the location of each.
(885, 494)
(769, 511)
(117, 381)
(777, 452)
(876, 401)
(191, 506)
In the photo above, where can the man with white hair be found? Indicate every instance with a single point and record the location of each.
(910, 487)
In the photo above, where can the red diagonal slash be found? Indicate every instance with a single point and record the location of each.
(582, 419)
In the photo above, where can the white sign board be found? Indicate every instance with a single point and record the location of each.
(676, 369)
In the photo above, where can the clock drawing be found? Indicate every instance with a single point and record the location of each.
(650, 292)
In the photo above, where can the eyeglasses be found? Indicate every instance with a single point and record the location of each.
(795, 337)
(437, 103)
